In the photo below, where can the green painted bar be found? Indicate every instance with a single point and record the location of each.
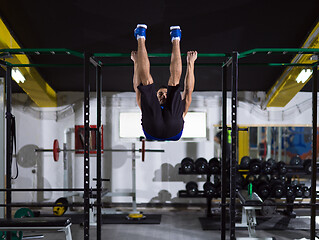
(65, 51)
(279, 50)
(278, 64)
(46, 65)
(39, 51)
(158, 54)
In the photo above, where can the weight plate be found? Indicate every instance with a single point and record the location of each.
(23, 212)
(56, 150)
(61, 206)
(27, 156)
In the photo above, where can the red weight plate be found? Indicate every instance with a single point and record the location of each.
(56, 150)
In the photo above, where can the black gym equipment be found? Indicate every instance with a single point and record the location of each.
(296, 161)
(266, 167)
(201, 166)
(298, 191)
(211, 190)
(281, 167)
(244, 162)
(307, 166)
(290, 192)
(214, 166)
(255, 166)
(192, 188)
(187, 165)
(278, 189)
(306, 192)
(272, 162)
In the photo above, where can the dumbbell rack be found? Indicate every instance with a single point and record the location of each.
(200, 194)
(295, 171)
(292, 170)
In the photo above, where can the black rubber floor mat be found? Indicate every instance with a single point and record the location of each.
(122, 219)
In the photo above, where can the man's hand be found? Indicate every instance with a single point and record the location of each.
(191, 56)
(134, 56)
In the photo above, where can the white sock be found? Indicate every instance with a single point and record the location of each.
(138, 37)
(176, 38)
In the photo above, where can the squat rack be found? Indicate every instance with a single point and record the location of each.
(230, 60)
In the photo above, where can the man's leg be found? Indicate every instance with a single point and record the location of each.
(176, 60)
(143, 64)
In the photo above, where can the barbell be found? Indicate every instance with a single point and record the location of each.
(56, 150)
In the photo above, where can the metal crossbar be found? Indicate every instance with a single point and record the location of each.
(64, 51)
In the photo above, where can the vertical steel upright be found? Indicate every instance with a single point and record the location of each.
(224, 153)
(98, 153)
(2, 145)
(86, 146)
(234, 131)
(314, 153)
(8, 143)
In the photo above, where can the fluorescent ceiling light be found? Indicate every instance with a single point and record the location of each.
(17, 75)
(304, 75)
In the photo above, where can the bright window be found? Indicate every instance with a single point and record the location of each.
(194, 127)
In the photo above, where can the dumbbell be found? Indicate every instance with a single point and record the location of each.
(298, 191)
(211, 189)
(266, 167)
(244, 162)
(255, 166)
(290, 192)
(295, 161)
(281, 167)
(187, 165)
(272, 162)
(278, 189)
(263, 189)
(306, 192)
(192, 188)
(307, 166)
(214, 166)
(201, 165)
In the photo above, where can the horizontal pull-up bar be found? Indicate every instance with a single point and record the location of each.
(65, 51)
(279, 50)
(40, 51)
(160, 55)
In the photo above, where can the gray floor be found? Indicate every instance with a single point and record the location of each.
(175, 225)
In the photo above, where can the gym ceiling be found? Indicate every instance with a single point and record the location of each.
(207, 26)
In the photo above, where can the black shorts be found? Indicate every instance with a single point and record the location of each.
(166, 121)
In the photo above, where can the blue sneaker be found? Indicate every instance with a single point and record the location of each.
(140, 31)
(176, 33)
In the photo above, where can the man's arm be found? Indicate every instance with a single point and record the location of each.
(135, 79)
(189, 80)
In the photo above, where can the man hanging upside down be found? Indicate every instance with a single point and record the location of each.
(163, 111)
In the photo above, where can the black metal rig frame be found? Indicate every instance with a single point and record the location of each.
(89, 59)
